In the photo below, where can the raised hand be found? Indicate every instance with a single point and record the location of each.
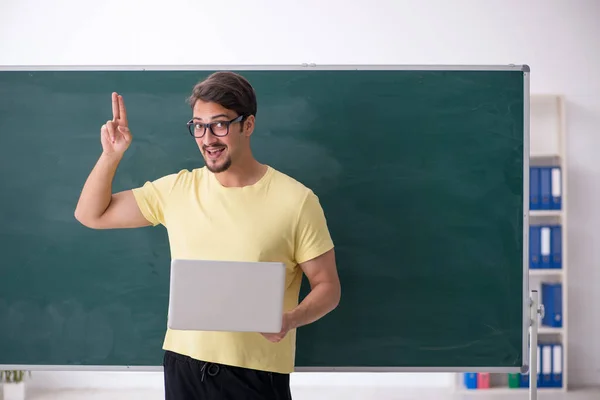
(114, 134)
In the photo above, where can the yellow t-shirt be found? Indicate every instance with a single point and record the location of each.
(276, 219)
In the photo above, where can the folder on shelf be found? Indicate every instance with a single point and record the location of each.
(534, 246)
(552, 301)
(470, 380)
(539, 365)
(556, 189)
(546, 372)
(557, 365)
(556, 246)
(514, 380)
(524, 380)
(545, 244)
(483, 380)
(545, 188)
(534, 188)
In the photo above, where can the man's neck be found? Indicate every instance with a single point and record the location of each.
(243, 174)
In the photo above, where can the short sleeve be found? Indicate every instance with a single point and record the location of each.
(152, 198)
(312, 234)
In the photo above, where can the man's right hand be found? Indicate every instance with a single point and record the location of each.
(115, 135)
(98, 207)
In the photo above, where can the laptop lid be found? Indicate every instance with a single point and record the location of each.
(226, 296)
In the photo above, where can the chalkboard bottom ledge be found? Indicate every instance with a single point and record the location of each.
(157, 368)
(407, 369)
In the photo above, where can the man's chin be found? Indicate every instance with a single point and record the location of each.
(216, 167)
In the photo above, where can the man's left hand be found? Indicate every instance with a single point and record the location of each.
(286, 326)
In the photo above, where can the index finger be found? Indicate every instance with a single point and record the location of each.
(122, 110)
(115, 106)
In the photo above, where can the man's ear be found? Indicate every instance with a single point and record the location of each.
(248, 126)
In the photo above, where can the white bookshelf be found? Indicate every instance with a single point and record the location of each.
(547, 148)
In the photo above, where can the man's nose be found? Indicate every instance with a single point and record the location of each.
(208, 138)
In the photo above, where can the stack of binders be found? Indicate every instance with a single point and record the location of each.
(477, 380)
(545, 246)
(545, 192)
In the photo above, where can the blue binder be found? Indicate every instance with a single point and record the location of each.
(556, 189)
(540, 359)
(534, 247)
(545, 246)
(557, 365)
(545, 188)
(546, 363)
(524, 380)
(534, 188)
(552, 301)
(470, 380)
(556, 246)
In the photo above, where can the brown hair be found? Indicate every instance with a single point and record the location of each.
(228, 89)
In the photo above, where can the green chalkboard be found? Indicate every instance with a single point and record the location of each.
(420, 172)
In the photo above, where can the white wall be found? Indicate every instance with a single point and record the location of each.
(559, 39)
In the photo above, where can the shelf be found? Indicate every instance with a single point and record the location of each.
(548, 329)
(546, 272)
(545, 160)
(545, 213)
(545, 157)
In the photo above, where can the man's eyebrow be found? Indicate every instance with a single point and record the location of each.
(214, 116)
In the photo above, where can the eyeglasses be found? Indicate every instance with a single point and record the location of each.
(217, 128)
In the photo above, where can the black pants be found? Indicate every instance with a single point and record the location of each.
(190, 379)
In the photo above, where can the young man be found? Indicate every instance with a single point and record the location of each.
(234, 208)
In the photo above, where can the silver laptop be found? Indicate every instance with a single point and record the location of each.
(226, 296)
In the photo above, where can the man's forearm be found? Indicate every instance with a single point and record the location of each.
(322, 299)
(97, 191)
